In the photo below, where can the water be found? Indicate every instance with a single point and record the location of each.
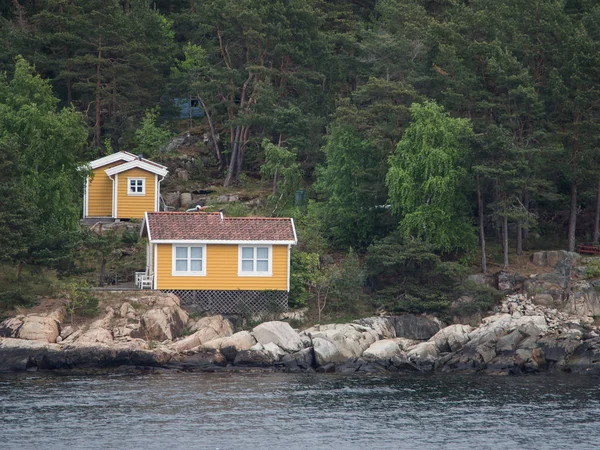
(285, 411)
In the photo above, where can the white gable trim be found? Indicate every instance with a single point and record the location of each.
(138, 164)
(115, 157)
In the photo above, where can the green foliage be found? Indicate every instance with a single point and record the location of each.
(282, 170)
(408, 276)
(476, 299)
(23, 289)
(41, 183)
(427, 179)
(352, 213)
(347, 283)
(149, 138)
(304, 273)
(130, 237)
(80, 301)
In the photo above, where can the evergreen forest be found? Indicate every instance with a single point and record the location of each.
(431, 138)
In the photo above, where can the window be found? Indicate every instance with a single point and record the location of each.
(255, 261)
(189, 260)
(136, 186)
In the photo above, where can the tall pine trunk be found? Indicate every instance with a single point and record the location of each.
(526, 204)
(505, 240)
(98, 97)
(481, 227)
(597, 219)
(573, 217)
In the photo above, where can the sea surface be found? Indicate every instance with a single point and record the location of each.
(172, 410)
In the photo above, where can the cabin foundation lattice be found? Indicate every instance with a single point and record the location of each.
(232, 302)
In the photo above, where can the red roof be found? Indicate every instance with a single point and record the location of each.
(199, 226)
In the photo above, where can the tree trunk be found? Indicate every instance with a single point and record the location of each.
(597, 219)
(98, 98)
(505, 240)
(526, 204)
(573, 217)
(481, 227)
(519, 238)
(213, 134)
(275, 182)
(519, 249)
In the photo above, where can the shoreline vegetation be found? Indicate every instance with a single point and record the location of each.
(529, 331)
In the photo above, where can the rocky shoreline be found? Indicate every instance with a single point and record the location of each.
(552, 330)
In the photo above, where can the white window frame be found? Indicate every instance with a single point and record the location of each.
(129, 180)
(255, 273)
(188, 273)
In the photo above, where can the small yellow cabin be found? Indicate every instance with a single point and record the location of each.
(122, 186)
(220, 264)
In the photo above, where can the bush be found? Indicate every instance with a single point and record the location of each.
(304, 268)
(81, 301)
(407, 276)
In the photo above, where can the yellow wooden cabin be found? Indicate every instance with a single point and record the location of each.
(122, 186)
(219, 264)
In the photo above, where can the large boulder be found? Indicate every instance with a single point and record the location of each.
(231, 345)
(253, 358)
(326, 352)
(384, 349)
(583, 300)
(383, 326)
(451, 338)
(163, 323)
(39, 328)
(509, 281)
(416, 327)
(300, 361)
(279, 333)
(349, 340)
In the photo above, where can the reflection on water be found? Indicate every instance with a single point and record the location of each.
(257, 410)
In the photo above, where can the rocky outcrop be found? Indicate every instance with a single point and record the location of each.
(204, 330)
(279, 333)
(164, 323)
(416, 327)
(39, 328)
(519, 337)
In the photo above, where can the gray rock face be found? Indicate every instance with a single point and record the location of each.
(279, 333)
(253, 358)
(301, 361)
(384, 349)
(384, 326)
(339, 342)
(185, 199)
(509, 282)
(452, 338)
(202, 361)
(416, 327)
(230, 346)
(172, 199)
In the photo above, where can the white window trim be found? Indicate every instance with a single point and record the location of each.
(129, 179)
(189, 273)
(241, 273)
